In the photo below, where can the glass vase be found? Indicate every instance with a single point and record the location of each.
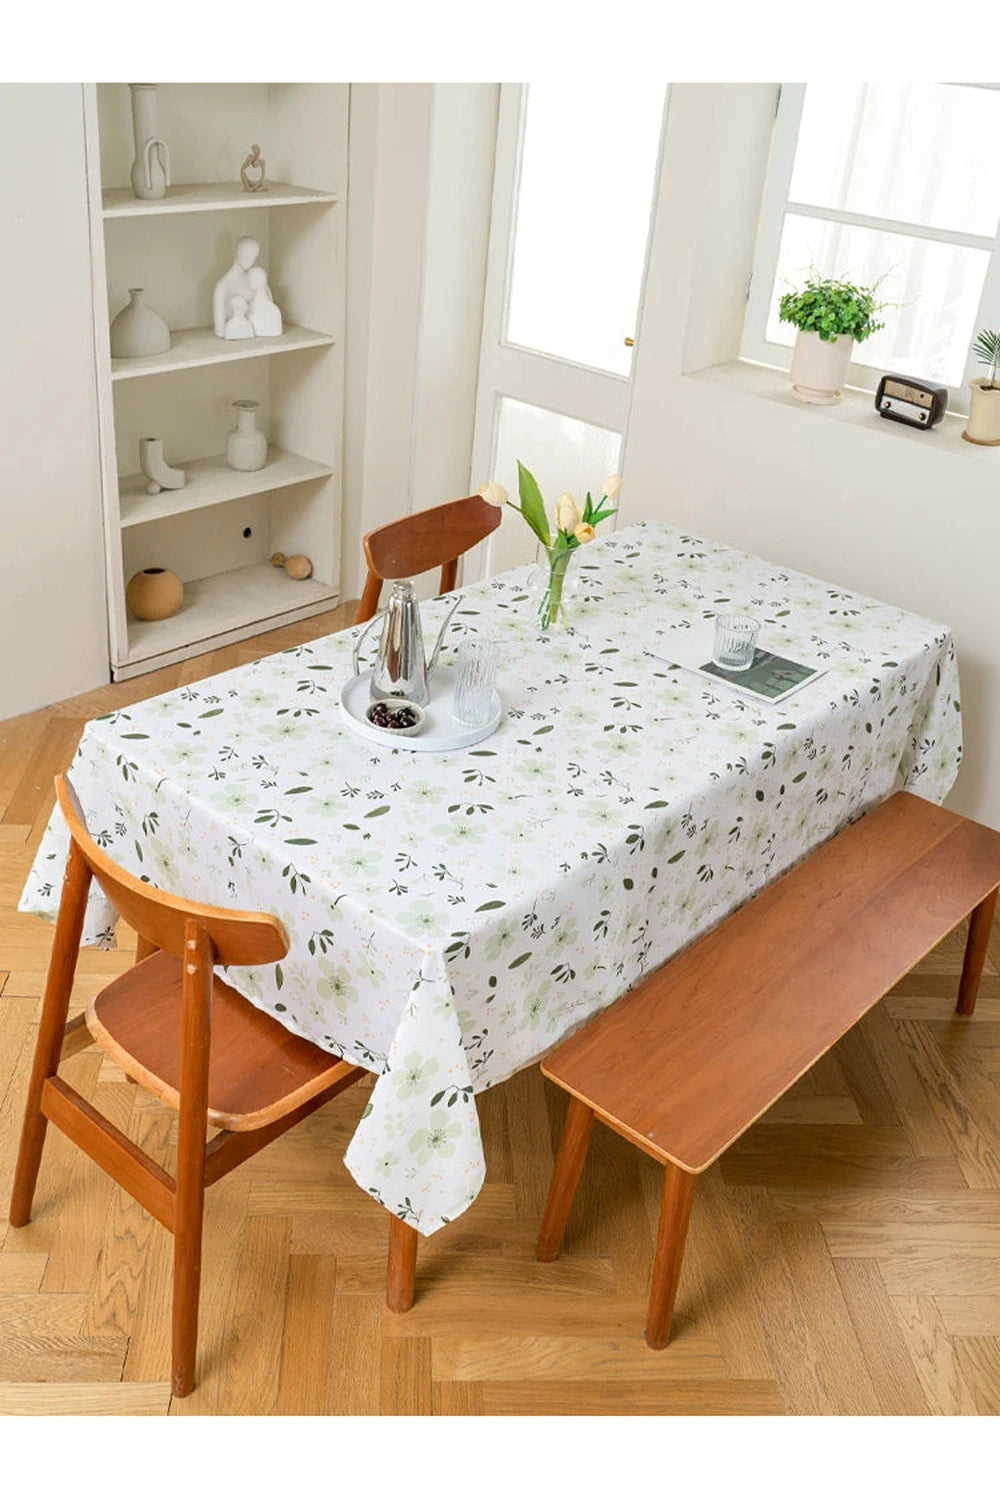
(553, 588)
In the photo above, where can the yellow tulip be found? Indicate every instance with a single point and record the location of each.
(567, 513)
(584, 532)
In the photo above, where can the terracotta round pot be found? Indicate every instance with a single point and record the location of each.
(154, 594)
(984, 414)
(819, 367)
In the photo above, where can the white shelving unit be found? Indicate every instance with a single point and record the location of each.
(218, 532)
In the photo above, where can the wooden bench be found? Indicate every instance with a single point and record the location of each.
(689, 1059)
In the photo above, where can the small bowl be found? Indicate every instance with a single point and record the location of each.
(393, 706)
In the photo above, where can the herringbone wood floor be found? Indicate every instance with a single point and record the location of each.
(843, 1258)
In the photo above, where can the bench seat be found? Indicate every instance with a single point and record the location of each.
(701, 1048)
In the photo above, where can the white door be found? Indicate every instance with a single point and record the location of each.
(573, 195)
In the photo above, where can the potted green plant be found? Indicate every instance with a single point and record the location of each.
(831, 316)
(984, 393)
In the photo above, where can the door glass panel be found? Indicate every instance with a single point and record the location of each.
(917, 152)
(562, 453)
(582, 219)
(934, 288)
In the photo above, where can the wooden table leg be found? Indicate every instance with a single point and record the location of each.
(980, 926)
(675, 1212)
(401, 1273)
(569, 1161)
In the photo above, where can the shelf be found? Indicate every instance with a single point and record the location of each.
(227, 602)
(191, 347)
(210, 481)
(208, 197)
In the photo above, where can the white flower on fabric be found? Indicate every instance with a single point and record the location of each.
(493, 492)
(567, 513)
(335, 986)
(611, 487)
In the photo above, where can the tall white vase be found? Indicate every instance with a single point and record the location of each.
(819, 367)
(151, 167)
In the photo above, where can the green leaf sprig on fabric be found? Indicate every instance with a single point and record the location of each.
(572, 528)
(831, 307)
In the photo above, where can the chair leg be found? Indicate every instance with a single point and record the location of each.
(980, 926)
(189, 1196)
(189, 1206)
(675, 1213)
(51, 1030)
(569, 1163)
(401, 1272)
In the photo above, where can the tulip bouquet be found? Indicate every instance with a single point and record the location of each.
(573, 528)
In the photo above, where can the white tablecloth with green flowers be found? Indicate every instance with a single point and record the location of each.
(452, 916)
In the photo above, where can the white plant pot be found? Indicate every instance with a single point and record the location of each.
(819, 368)
(984, 414)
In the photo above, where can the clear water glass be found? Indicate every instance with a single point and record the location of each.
(735, 642)
(475, 683)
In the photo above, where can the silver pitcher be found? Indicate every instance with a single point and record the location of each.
(402, 668)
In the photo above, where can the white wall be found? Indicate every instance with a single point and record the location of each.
(911, 518)
(421, 171)
(51, 555)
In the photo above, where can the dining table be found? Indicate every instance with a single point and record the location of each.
(453, 913)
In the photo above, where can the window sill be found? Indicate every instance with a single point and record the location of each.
(856, 408)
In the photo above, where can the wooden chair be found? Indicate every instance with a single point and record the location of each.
(184, 1035)
(434, 538)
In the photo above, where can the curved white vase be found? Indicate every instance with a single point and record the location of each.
(150, 175)
(138, 330)
(819, 368)
(156, 469)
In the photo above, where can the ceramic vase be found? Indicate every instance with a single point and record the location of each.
(150, 176)
(154, 594)
(246, 445)
(819, 367)
(138, 330)
(984, 414)
(156, 469)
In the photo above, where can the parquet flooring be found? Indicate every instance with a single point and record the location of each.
(843, 1257)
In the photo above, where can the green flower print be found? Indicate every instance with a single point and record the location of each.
(335, 985)
(438, 1139)
(413, 1078)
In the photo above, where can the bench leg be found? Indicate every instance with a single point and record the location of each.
(401, 1273)
(980, 926)
(675, 1212)
(569, 1161)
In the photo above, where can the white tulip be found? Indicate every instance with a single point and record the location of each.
(584, 532)
(610, 487)
(567, 513)
(494, 493)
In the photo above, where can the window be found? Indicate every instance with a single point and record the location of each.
(895, 183)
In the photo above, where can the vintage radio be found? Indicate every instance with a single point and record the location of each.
(915, 402)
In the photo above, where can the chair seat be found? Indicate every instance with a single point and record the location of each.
(258, 1071)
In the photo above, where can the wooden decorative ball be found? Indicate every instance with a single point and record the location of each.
(297, 567)
(154, 594)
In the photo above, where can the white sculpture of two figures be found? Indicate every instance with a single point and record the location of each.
(242, 307)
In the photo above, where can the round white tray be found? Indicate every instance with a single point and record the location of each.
(440, 731)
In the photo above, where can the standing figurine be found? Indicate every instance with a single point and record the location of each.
(243, 286)
(254, 163)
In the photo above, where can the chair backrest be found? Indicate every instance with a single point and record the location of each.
(237, 937)
(434, 538)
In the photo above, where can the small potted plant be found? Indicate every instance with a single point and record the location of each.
(984, 393)
(831, 317)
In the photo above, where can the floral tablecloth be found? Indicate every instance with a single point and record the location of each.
(451, 916)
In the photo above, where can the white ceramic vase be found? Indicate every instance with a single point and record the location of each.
(156, 469)
(246, 445)
(138, 330)
(984, 414)
(819, 367)
(150, 176)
